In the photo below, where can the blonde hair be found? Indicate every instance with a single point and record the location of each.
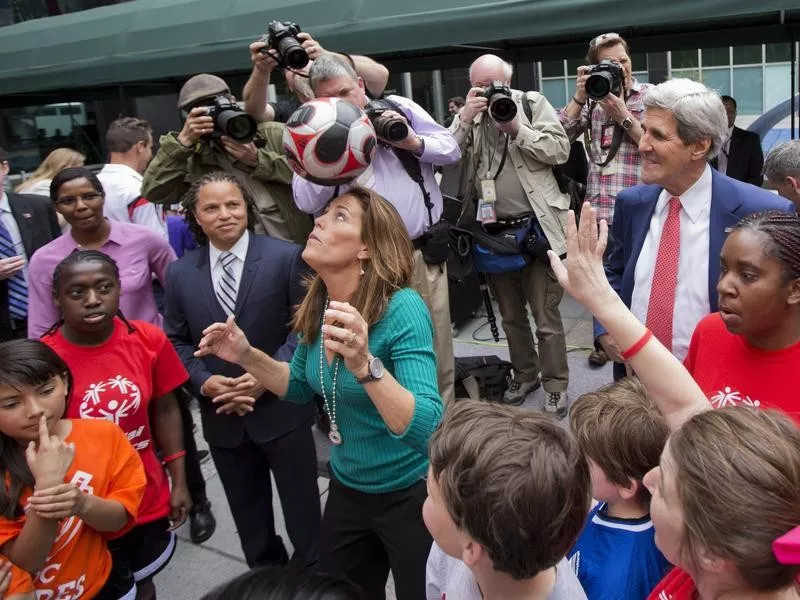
(58, 160)
(388, 269)
(737, 474)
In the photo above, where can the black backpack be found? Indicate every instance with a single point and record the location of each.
(491, 373)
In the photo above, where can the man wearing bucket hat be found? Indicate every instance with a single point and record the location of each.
(207, 143)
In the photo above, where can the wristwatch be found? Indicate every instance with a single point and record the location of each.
(374, 371)
(627, 123)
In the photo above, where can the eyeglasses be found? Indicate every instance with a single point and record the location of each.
(603, 38)
(69, 201)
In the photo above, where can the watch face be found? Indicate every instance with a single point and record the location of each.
(376, 368)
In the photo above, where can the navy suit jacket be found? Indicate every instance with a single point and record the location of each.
(38, 226)
(745, 157)
(731, 200)
(271, 285)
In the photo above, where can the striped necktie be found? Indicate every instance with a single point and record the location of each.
(17, 288)
(228, 286)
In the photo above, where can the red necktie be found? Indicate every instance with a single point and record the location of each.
(665, 276)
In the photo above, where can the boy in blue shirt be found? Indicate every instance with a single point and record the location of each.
(621, 434)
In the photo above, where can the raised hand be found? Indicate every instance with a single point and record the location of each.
(581, 274)
(224, 340)
(51, 459)
(349, 338)
(59, 502)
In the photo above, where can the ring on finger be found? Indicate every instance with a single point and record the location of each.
(352, 339)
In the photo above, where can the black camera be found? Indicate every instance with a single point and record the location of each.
(282, 38)
(606, 77)
(502, 108)
(393, 129)
(231, 120)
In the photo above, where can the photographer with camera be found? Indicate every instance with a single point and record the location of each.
(218, 135)
(285, 46)
(510, 140)
(410, 145)
(612, 123)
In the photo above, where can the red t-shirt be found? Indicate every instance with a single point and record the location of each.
(677, 585)
(105, 465)
(116, 381)
(731, 372)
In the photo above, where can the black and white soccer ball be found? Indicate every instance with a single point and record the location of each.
(329, 141)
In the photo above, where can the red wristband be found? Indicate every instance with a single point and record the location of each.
(634, 350)
(171, 457)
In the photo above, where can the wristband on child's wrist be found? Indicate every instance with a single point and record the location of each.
(636, 348)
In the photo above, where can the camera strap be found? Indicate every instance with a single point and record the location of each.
(616, 140)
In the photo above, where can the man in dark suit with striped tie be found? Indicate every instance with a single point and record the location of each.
(27, 223)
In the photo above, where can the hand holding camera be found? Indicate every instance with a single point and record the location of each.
(283, 44)
(197, 125)
(312, 47)
(476, 103)
(263, 62)
(246, 153)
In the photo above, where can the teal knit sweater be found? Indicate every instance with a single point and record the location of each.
(371, 458)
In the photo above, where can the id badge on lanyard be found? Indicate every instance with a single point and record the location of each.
(486, 206)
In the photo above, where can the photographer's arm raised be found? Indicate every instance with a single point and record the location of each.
(255, 90)
(544, 138)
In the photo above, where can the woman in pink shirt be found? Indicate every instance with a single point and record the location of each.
(78, 196)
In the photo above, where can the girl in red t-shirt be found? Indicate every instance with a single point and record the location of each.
(749, 352)
(68, 485)
(726, 496)
(125, 372)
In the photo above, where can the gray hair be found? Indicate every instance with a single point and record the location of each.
(508, 70)
(697, 109)
(330, 66)
(783, 161)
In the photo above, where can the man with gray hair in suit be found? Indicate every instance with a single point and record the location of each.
(782, 171)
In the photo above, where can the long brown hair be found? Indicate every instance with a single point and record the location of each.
(388, 269)
(58, 160)
(737, 472)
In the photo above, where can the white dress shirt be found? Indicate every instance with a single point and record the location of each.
(10, 224)
(239, 250)
(691, 294)
(124, 202)
(722, 157)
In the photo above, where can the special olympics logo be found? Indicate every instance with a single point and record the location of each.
(113, 400)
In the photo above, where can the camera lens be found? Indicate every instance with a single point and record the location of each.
(393, 130)
(502, 108)
(237, 125)
(294, 55)
(598, 85)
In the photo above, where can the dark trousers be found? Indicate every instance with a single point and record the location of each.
(245, 475)
(194, 476)
(364, 535)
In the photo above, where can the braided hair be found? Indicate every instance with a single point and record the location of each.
(783, 231)
(189, 203)
(79, 257)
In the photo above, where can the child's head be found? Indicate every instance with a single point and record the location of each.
(727, 487)
(621, 433)
(273, 583)
(507, 488)
(86, 287)
(34, 381)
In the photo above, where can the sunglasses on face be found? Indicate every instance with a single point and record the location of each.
(603, 38)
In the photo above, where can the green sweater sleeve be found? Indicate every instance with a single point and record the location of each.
(413, 364)
(298, 391)
(165, 178)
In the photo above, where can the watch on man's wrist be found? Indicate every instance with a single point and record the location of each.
(374, 370)
(627, 123)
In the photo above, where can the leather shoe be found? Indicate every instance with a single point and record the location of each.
(201, 522)
(598, 358)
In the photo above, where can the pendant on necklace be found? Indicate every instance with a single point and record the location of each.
(335, 437)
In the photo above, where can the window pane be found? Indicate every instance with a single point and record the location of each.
(642, 77)
(777, 53)
(716, 57)
(718, 79)
(554, 91)
(552, 68)
(639, 62)
(683, 59)
(747, 89)
(777, 85)
(693, 74)
(746, 55)
(574, 63)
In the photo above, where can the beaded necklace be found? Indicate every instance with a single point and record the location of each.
(334, 436)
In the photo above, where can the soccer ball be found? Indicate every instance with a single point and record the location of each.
(329, 141)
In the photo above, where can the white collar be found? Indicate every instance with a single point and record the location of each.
(119, 168)
(4, 203)
(239, 249)
(695, 200)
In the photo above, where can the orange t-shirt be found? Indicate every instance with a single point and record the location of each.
(107, 466)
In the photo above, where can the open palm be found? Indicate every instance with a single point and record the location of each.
(224, 340)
